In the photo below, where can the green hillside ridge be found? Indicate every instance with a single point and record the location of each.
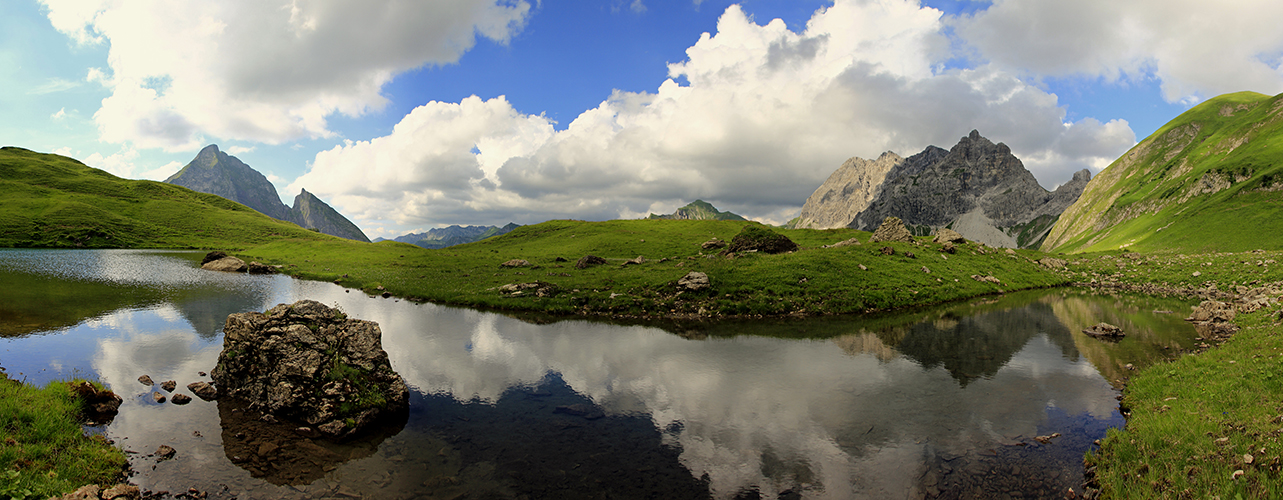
(1209, 180)
(698, 210)
(51, 201)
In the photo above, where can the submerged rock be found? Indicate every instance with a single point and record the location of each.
(312, 364)
(203, 390)
(1105, 330)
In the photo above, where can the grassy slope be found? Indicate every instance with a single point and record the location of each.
(54, 201)
(811, 281)
(43, 451)
(1135, 203)
(1179, 410)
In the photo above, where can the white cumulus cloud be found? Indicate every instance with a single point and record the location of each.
(263, 71)
(1198, 49)
(754, 119)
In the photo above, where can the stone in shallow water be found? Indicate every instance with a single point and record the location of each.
(312, 364)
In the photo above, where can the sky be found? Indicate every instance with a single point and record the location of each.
(409, 115)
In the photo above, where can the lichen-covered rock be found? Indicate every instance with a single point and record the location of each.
(694, 281)
(757, 238)
(892, 229)
(946, 235)
(589, 261)
(310, 363)
(226, 264)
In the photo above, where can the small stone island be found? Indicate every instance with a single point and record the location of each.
(312, 364)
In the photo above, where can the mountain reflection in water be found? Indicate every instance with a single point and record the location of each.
(942, 402)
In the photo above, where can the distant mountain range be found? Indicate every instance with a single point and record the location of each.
(698, 210)
(218, 173)
(978, 188)
(1209, 180)
(453, 235)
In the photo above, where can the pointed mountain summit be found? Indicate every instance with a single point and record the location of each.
(218, 173)
(977, 188)
(698, 210)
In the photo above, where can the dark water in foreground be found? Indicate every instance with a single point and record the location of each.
(941, 403)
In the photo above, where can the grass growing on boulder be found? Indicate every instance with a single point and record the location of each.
(757, 238)
(43, 451)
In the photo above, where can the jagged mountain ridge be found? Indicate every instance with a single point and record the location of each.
(221, 174)
(698, 210)
(978, 188)
(1209, 180)
(443, 237)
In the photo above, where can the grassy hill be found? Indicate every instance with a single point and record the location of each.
(52, 201)
(1209, 180)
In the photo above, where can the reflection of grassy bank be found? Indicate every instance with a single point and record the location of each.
(43, 451)
(1198, 420)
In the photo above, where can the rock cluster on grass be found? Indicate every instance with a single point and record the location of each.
(1053, 263)
(892, 229)
(516, 263)
(589, 261)
(537, 288)
(712, 244)
(95, 492)
(844, 243)
(220, 261)
(312, 364)
(757, 238)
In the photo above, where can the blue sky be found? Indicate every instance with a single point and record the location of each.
(486, 111)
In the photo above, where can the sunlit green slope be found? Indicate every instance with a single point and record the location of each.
(1209, 180)
(55, 201)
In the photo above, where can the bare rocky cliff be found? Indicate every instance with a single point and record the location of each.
(218, 173)
(978, 188)
(847, 192)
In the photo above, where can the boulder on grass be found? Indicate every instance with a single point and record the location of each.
(588, 261)
(694, 281)
(757, 238)
(946, 235)
(312, 364)
(892, 229)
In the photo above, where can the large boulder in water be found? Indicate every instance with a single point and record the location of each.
(310, 363)
(220, 261)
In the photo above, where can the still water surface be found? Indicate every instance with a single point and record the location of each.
(939, 403)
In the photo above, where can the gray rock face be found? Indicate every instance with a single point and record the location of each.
(694, 281)
(847, 192)
(1005, 205)
(218, 173)
(310, 363)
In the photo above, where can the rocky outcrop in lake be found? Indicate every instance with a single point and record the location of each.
(977, 188)
(312, 364)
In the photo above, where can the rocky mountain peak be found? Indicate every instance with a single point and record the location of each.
(936, 188)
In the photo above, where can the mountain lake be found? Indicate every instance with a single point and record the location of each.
(946, 402)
